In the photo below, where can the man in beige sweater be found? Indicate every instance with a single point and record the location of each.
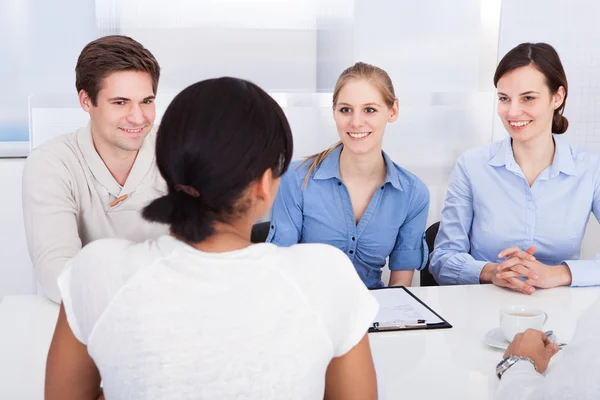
(94, 182)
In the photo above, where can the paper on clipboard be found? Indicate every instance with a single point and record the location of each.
(399, 305)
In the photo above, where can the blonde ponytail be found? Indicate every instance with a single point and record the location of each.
(316, 160)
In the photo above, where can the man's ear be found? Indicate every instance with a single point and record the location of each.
(85, 101)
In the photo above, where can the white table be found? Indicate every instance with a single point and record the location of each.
(455, 363)
(26, 328)
(446, 363)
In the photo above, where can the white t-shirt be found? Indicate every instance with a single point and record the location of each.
(163, 320)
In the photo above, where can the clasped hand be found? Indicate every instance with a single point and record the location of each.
(519, 264)
(535, 345)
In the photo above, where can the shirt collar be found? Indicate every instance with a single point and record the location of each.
(563, 158)
(503, 155)
(391, 174)
(330, 168)
(143, 162)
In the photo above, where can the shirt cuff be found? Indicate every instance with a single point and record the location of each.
(523, 366)
(521, 381)
(470, 273)
(584, 272)
(406, 260)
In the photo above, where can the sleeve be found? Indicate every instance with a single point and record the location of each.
(520, 382)
(451, 263)
(410, 250)
(587, 272)
(50, 217)
(287, 215)
(89, 282)
(346, 306)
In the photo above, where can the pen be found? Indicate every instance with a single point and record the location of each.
(398, 324)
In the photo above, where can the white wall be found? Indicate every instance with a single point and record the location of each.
(39, 44)
(441, 56)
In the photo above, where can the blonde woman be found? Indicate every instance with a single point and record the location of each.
(352, 195)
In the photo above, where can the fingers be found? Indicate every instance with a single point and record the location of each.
(535, 345)
(547, 341)
(517, 252)
(534, 333)
(514, 345)
(520, 286)
(508, 252)
(511, 262)
(533, 336)
(523, 255)
(527, 339)
(552, 349)
(508, 264)
(531, 250)
(532, 282)
(516, 271)
(544, 358)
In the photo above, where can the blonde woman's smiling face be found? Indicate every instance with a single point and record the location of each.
(361, 116)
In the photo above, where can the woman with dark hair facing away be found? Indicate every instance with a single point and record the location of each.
(352, 195)
(202, 313)
(516, 210)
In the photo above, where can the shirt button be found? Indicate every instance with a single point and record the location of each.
(351, 252)
(339, 183)
(382, 188)
(272, 226)
(353, 238)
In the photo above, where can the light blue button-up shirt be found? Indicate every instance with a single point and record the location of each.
(392, 225)
(490, 207)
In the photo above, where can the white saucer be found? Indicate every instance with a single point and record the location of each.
(494, 338)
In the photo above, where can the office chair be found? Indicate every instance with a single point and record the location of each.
(426, 278)
(260, 231)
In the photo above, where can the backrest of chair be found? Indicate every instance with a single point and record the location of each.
(430, 235)
(260, 231)
(426, 278)
(53, 114)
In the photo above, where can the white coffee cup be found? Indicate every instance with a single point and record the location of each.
(515, 319)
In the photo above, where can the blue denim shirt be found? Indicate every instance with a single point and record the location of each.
(392, 226)
(490, 207)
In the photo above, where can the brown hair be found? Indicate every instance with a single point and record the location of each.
(109, 54)
(374, 75)
(545, 59)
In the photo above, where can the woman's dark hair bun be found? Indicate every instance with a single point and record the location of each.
(174, 209)
(560, 123)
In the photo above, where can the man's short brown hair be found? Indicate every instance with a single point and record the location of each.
(109, 54)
